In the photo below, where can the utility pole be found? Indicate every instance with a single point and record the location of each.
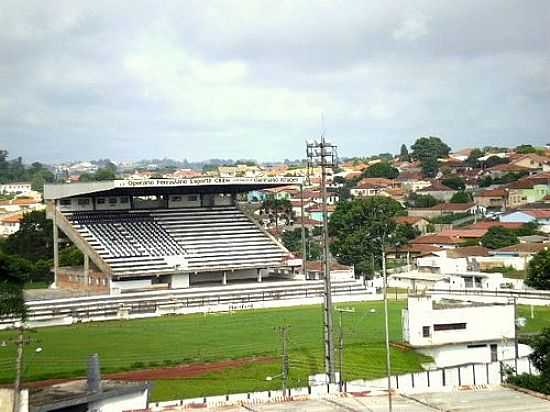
(283, 330)
(323, 154)
(304, 246)
(341, 311)
(386, 324)
(516, 346)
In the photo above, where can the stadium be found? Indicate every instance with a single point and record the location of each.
(164, 234)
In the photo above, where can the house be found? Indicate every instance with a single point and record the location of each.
(531, 161)
(373, 186)
(418, 222)
(447, 209)
(439, 241)
(9, 224)
(20, 204)
(492, 198)
(488, 224)
(438, 190)
(515, 256)
(528, 190)
(467, 234)
(539, 216)
(15, 188)
(412, 180)
(457, 260)
(316, 213)
(460, 332)
(314, 270)
(414, 280)
(504, 168)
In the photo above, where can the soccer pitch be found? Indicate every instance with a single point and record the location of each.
(197, 339)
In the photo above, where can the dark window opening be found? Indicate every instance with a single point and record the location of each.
(449, 326)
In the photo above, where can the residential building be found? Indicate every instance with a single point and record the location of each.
(438, 190)
(492, 198)
(459, 332)
(418, 222)
(528, 190)
(314, 270)
(10, 223)
(443, 242)
(15, 188)
(539, 216)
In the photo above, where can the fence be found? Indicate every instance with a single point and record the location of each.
(437, 380)
(151, 304)
(532, 297)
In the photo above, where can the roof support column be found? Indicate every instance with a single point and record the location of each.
(55, 245)
(224, 278)
(86, 270)
(259, 275)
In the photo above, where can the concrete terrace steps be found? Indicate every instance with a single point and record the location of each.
(199, 296)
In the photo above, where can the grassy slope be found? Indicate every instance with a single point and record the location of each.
(198, 338)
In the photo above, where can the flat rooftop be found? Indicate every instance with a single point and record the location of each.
(456, 304)
(493, 399)
(148, 187)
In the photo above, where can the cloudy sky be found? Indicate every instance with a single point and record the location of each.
(254, 79)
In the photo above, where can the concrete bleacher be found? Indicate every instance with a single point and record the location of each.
(204, 239)
(202, 299)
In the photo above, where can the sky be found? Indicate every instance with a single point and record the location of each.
(131, 80)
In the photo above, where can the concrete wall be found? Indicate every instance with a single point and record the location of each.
(112, 203)
(74, 278)
(217, 276)
(179, 281)
(127, 402)
(175, 201)
(480, 322)
(76, 204)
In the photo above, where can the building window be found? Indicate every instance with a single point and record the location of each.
(425, 331)
(449, 326)
(112, 200)
(100, 200)
(477, 345)
(176, 198)
(65, 202)
(124, 200)
(83, 202)
(192, 198)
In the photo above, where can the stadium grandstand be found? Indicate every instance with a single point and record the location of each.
(163, 233)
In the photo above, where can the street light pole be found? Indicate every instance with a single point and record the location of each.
(386, 324)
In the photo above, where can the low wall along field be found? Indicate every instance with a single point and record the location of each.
(224, 353)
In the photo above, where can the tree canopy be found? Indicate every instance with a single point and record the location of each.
(430, 167)
(33, 240)
(472, 160)
(15, 171)
(461, 197)
(422, 201)
(454, 182)
(12, 301)
(538, 272)
(359, 227)
(381, 169)
(497, 237)
(429, 148)
(404, 154)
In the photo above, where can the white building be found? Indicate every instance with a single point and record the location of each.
(459, 332)
(414, 280)
(15, 188)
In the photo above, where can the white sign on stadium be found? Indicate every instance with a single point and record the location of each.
(202, 181)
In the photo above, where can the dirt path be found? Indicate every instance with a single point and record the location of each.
(174, 372)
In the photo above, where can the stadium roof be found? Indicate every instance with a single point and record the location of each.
(166, 186)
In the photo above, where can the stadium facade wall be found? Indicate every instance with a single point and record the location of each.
(75, 278)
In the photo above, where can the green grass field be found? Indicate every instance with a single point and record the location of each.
(138, 344)
(126, 345)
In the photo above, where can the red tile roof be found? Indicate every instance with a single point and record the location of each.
(467, 251)
(489, 224)
(464, 233)
(408, 220)
(453, 207)
(524, 248)
(538, 214)
(492, 193)
(436, 240)
(317, 266)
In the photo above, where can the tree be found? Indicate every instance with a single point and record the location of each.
(495, 160)
(430, 167)
(497, 237)
(404, 154)
(525, 149)
(12, 302)
(105, 174)
(461, 197)
(429, 148)
(541, 353)
(422, 201)
(382, 169)
(538, 272)
(472, 160)
(454, 182)
(33, 240)
(359, 229)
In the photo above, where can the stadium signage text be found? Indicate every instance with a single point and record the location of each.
(203, 181)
